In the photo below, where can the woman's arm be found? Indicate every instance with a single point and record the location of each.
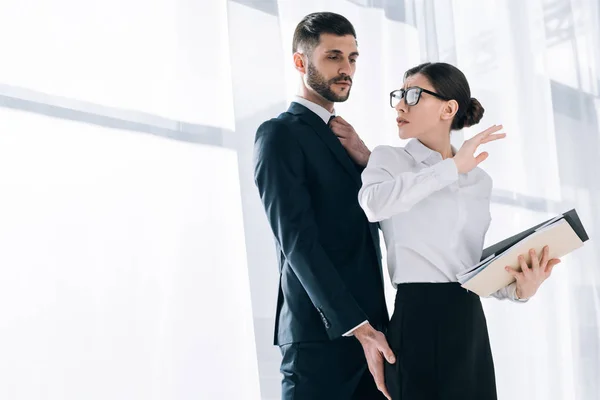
(389, 187)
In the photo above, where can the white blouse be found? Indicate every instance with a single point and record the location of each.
(434, 220)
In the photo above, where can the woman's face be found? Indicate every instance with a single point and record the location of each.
(424, 117)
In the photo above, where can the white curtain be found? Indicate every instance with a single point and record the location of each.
(123, 271)
(127, 130)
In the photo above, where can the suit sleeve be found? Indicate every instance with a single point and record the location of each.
(279, 173)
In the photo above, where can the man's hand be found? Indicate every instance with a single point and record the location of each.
(356, 148)
(376, 348)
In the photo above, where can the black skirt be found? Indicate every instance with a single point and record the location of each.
(439, 335)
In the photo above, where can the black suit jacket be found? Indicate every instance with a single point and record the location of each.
(329, 254)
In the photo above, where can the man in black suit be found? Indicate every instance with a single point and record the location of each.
(331, 307)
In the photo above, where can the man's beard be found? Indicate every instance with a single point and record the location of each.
(323, 87)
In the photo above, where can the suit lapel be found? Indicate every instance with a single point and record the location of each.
(328, 137)
(334, 145)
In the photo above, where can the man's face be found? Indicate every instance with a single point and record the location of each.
(331, 67)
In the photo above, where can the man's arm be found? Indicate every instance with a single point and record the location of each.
(280, 177)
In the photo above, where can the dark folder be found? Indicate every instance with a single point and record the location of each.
(563, 234)
(570, 216)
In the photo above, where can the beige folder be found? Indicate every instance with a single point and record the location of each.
(559, 237)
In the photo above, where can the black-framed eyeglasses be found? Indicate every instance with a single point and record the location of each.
(411, 95)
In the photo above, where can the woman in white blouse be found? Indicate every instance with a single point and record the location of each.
(433, 203)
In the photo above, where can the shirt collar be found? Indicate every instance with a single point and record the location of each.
(317, 109)
(422, 153)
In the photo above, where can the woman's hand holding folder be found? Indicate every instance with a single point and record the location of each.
(530, 278)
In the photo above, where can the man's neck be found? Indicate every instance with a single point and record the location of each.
(311, 96)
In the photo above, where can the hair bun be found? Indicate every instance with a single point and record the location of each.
(473, 114)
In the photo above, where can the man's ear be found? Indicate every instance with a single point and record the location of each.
(299, 62)
(449, 110)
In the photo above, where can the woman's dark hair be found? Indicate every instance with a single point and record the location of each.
(450, 82)
(308, 32)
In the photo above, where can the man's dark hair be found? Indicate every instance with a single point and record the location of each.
(308, 32)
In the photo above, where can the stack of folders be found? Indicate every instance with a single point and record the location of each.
(562, 234)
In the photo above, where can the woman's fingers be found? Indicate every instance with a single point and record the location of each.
(513, 273)
(535, 261)
(482, 157)
(491, 138)
(485, 137)
(551, 264)
(524, 267)
(341, 120)
(492, 129)
(545, 258)
(339, 130)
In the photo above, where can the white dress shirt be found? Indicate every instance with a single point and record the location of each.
(317, 109)
(434, 220)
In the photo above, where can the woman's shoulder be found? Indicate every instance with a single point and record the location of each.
(393, 154)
